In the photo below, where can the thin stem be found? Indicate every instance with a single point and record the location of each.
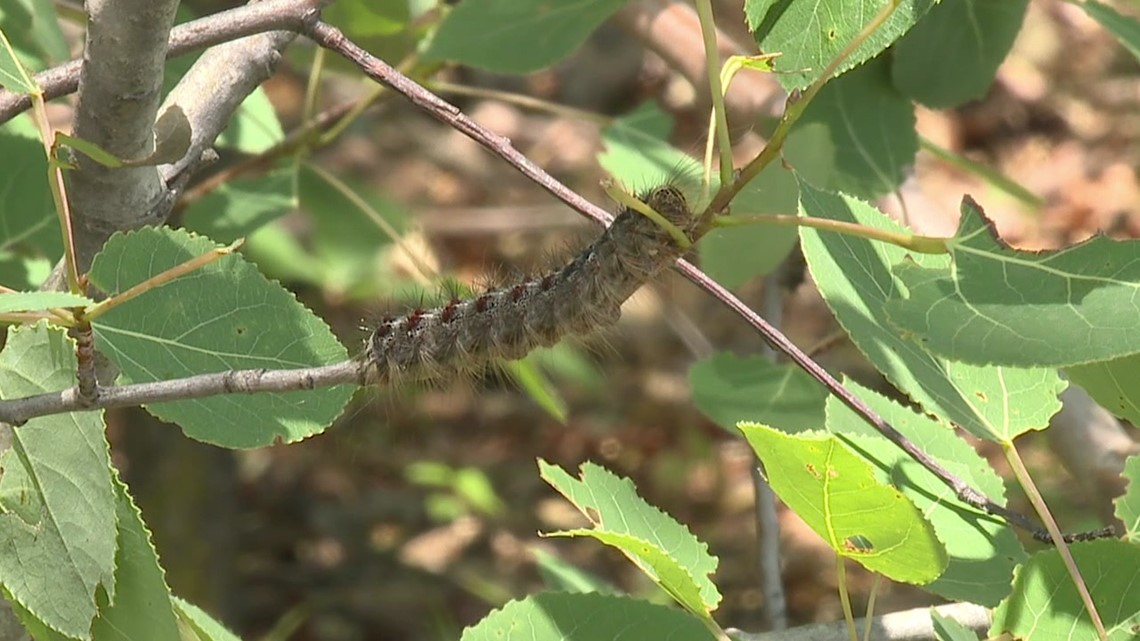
(795, 108)
(162, 278)
(712, 70)
(58, 188)
(912, 242)
(1035, 498)
(624, 198)
(876, 582)
(1021, 194)
(521, 100)
(844, 597)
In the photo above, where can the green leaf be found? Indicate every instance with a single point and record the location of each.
(13, 75)
(981, 549)
(28, 228)
(1112, 385)
(1128, 504)
(555, 616)
(367, 18)
(638, 155)
(1045, 606)
(142, 608)
(223, 316)
(655, 562)
(254, 127)
(203, 625)
(34, 32)
(351, 226)
(947, 629)
(38, 301)
(89, 149)
(835, 493)
(516, 36)
(241, 207)
(734, 255)
(60, 549)
(997, 305)
(854, 276)
(857, 136)
(1126, 29)
(810, 34)
(951, 55)
(730, 389)
(659, 545)
(561, 576)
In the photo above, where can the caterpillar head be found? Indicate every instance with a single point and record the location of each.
(670, 202)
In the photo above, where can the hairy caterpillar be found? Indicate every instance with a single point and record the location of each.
(508, 322)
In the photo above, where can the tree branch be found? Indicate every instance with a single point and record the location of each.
(198, 34)
(247, 381)
(209, 94)
(120, 85)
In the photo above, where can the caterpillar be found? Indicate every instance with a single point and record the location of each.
(506, 323)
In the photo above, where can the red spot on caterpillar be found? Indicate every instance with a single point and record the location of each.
(413, 320)
(511, 321)
(448, 313)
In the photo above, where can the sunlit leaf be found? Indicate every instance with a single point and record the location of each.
(998, 305)
(854, 276)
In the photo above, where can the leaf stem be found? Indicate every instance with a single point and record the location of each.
(626, 200)
(795, 107)
(844, 597)
(162, 278)
(1010, 187)
(912, 242)
(1038, 502)
(716, 90)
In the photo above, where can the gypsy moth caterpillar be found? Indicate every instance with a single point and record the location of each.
(507, 322)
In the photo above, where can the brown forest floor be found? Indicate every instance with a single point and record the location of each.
(331, 534)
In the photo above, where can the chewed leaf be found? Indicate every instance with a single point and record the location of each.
(836, 494)
(981, 549)
(555, 616)
(1002, 306)
(1128, 504)
(624, 519)
(854, 276)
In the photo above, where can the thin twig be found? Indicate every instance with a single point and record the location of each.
(246, 381)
